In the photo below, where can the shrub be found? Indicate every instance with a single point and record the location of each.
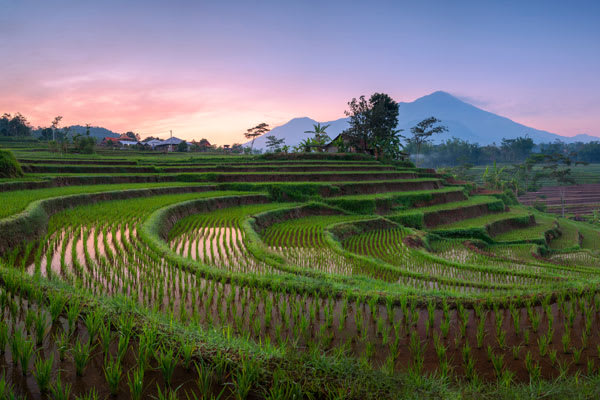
(9, 166)
(540, 206)
(496, 206)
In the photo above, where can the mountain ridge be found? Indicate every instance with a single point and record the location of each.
(464, 121)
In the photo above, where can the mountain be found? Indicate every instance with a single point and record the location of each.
(463, 120)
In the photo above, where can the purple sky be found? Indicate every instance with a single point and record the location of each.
(213, 69)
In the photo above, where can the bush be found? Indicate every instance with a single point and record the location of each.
(508, 197)
(496, 206)
(540, 206)
(9, 166)
(182, 147)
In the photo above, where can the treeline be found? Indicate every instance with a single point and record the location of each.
(455, 152)
(14, 126)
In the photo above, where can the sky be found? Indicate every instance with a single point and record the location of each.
(212, 69)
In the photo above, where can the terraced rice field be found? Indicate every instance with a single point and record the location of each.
(288, 279)
(576, 199)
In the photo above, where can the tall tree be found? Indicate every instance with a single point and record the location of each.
(258, 130)
(54, 125)
(14, 125)
(358, 133)
(373, 125)
(320, 133)
(422, 132)
(516, 150)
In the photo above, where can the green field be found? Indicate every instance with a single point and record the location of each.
(286, 285)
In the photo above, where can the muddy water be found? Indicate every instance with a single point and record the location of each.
(222, 247)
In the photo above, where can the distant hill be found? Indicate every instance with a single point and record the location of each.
(463, 120)
(96, 131)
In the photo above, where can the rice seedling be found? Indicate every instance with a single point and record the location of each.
(135, 381)
(3, 336)
(112, 374)
(73, 311)
(62, 341)
(122, 347)
(92, 394)
(251, 274)
(42, 372)
(59, 390)
(82, 351)
(23, 350)
(245, 378)
(93, 322)
(577, 355)
(15, 342)
(105, 337)
(167, 360)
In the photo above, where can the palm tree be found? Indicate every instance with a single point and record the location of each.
(321, 137)
(493, 177)
(319, 132)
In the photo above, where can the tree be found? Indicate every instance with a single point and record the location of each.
(54, 126)
(274, 144)
(132, 136)
(558, 168)
(373, 125)
(182, 147)
(84, 144)
(16, 125)
(46, 133)
(253, 133)
(493, 177)
(422, 132)
(321, 138)
(340, 143)
(516, 149)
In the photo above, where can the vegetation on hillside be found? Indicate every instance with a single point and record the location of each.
(9, 166)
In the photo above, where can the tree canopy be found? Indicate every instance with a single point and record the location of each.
(373, 126)
(274, 144)
(258, 130)
(422, 132)
(14, 125)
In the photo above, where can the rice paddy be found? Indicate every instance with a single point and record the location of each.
(294, 287)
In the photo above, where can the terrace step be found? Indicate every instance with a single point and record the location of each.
(544, 230)
(362, 188)
(441, 214)
(578, 199)
(314, 177)
(128, 168)
(384, 203)
(488, 226)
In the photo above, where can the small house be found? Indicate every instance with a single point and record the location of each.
(169, 145)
